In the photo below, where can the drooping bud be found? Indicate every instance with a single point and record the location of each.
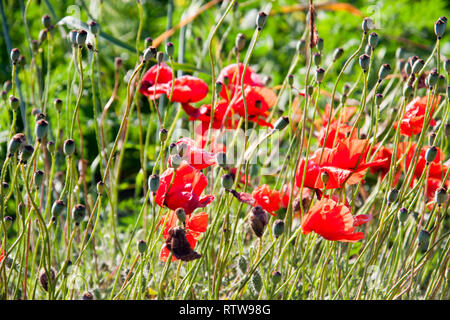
(153, 182)
(170, 49)
(240, 42)
(431, 153)
(38, 178)
(58, 207)
(364, 62)
(281, 123)
(227, 181)
(278, 228)
(402, 215)
(261, 20)
(373, 40)
(26, 153)
(181, 214)
(392, 196)
(385, 69)
(142, 246)
(78, 213)
(337, 54)
(440, 196)
(69, 147)
(41, 129)
(258, 220)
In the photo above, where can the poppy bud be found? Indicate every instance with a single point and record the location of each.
(256, 282)
(240, 42)
(38, 178)
(402, 215)
(153, 182)
(93, 27)
(170, 49)
(100, 187)
(227, 181)
(41, 129)
(373, 40)
(440, 196)
(276, 277)
(281, 123)
(392, 196)
(261, 20)
(401, 64)
(258, 220)
(447, 65)
(367, 24)
(378, 99)
(320, 73)
(385, 69)
(87, 296)
(159, 57)
(181, 214)
(57, 208)
(399, 53)
(163, 133)
(433, 78)
(431, 153)
(8, 221)
(27, 152)
(51, 146)
(278, 228)
(337, 54)
(407, 91)
(15, 54)
(423, 239)
(81, 37)
(364, 62)
(78, 213)
(439, 27)
(175, 160)
(301, 44)
(43, 279)
(142, 246)
(242, 264)
(15, 143)
(69, 147)
(221, 159)
(320, 44)
(317, 58)
(14, 103)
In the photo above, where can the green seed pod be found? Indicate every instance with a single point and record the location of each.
(149, 54)
(58, 104)
(21, 62)
(440, 196)
(240, 42)
(78, 213)
(242, 264)
(364, 62)
(290, 80)
(278, 228)
(317, 58)
(41, 129)
(447, 65)
(159, 57)
(163, 134)
(276, 278)
(373, 40)
(51, 147)
(367, 25)
(38, 178)
(100, 187)
(261, 20)
(221, 159)
(441, 84)
(46, 21)
(175, 161)
(8, 221)
(81, 37)
(258, 220)
(42, 36)
(15, 54)
(378, 99)
(14, 103)
(69, 147)
(227, 181)
(433, 78)
(407, 91)
(320, 44)
(439, 27)
(153, 182)
(142, 246)
(148, 42)
(16, 143)
(58, 207)
(320, 73)
(431, 153)
(392, 196)
(423, 239)
(337, 54)
(181, 214)
(401, 64)
(170, 49)
(256, 282)
(21, 209)
(385, 69)
(281, 123)
(368, 50)
(399, 53)
(408, 69)
(309, 90)
(27, 152)
(325, 177)
(402, 215)
(417, 66)
(94, 27)
(218, 88)
(173, 148)
(301, 44)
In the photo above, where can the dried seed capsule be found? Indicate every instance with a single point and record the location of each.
(281, 123)
(258, 220)
(38, 178)
(240, 42)
(364, 62)
(337, 54)
(261, 20)
(41, 129)
(227, 181)
(181, 214)
(153, 182)
(69, 147)
(142, 246)
(58, 207)
(170, 49)
(78, 213)
(278, 228)
(27, 152)
(402, 215)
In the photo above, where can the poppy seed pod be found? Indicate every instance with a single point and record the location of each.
(309, 90)
(15, 55)
(93, 27)
(148, 42)
(337, 54)
(364, 62)
(258, 220)
(417, 66)
(441, 84)
(240, 42)
(447, 65)
(78, 213)
(43, 279)
(170, 49)
(87, 296)
(407, 91)
(439, 27)
(431, 153)
(41, 129)
(26, 153)
(281, 123)
(320, 44)
(423, 239)
(385, 69)
(173, 148)
(408, 68)
(69, 147)
(402, 215)
(51, 147)
(368, 50)
(301, 44)
(159, 57)
(261, 20)
(325, 177)
(38, 178)
(392, 196)
(142, 246)
(278, 228)
(58, 207)
(153, 182)
(276, 277)
(440, 196)
(242, 264)
(218, 87)
(46, 21)
(150, 53)
(367, 24)
(221, 159)
(401, 64)
(8, 220)
(81, 37)
(317, 58)
(399, 53)
(181, 214)
(227, 181)
(320, 73)
(290, 80)
(15, 143)
(378, 99)
(373, 40)
(163, 133)
(447, 128)
(100, 187)
(175, 160)
(42, 36)
(433, 78)
(14, 103)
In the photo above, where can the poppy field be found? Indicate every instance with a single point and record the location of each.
(224, 150)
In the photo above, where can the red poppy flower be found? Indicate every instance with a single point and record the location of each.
(269, 200)
(344, 116)
(186, 88)
(185, 191)
(196, 157)
(412, 122)
(2, 255)
(233, 74)
(332, 221)
(436, 168)
(196, 224)
(346, 162)
(335, 133)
